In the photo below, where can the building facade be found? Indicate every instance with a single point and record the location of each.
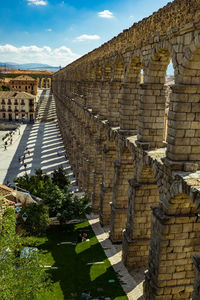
(24, 83)
(17, 106)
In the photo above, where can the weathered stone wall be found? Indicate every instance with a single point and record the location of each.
(126, 155)
(196, 293)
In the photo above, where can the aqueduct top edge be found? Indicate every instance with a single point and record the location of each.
(172, 17)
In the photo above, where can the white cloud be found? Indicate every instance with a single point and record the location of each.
(105, 14)
(37, 2)
(49, 29)
(27, 54)
(85, 37)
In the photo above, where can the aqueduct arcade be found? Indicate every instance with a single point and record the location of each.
(111, 107)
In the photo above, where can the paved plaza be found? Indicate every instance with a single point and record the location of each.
(43, 140)
(47, 152)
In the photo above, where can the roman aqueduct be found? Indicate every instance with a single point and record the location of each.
(111, 107)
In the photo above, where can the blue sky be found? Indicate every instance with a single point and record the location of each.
(57, 32)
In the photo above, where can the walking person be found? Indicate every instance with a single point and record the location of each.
(5, 147)
(25, 166)
(19, 158)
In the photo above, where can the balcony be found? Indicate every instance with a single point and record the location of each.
(16, 103)
(3, 102)
(9, 102)
(22, 103)
(22, 110)
(16, 110)
(9, 110)
(31, 110)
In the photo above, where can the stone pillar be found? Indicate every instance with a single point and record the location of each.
(85, 171)
(119, 207)
(104, 96)
(95, 95)
(183, 136)
(151, 114)
(98, 172)
(109, 156)
(113, 103)
(196, 292)
(136, 237)
(91, 164)
(129, 99)
(89, 98)
(174, 240)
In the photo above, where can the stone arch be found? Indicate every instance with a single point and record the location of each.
(143, 194)
(86, 72)
(107, 71)
(114, 86)
(104, 89)
(158, 64)
(133, 73)
(92, 72)
(174, 240)
(153, 99)
(184, 110)
(123, 170)
(130, 96)
(78, 72)
(98, 72)
(190, 63)
(118, 69)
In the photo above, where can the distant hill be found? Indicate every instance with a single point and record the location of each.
(30, 66)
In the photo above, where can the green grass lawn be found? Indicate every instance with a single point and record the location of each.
(73, 274)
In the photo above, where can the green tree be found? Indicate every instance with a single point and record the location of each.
(36, 184)
(54, 198)
(59, 177)
(56, 194)
(20, 278)
(37, 218)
